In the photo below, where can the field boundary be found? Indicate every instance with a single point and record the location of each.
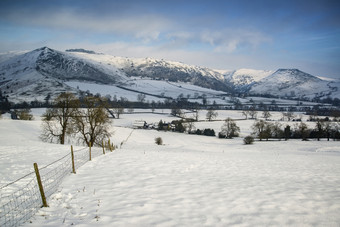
(21, 199)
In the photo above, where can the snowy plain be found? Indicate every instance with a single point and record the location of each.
(189, 181)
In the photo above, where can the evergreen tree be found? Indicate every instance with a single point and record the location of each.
(287, 132)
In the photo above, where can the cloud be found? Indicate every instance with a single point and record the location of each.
(142, 26)
(238, 33)
(224, 40)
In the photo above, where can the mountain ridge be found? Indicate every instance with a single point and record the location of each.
(44, 71)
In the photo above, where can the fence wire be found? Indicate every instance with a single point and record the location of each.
(20, 199)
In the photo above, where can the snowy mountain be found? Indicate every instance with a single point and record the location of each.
(162, 70)
(20, 79)
(44, 73)
(294, 83)
(243, 79)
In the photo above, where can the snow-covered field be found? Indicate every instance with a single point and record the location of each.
(157, 89)
(189, 181)
(148, 86)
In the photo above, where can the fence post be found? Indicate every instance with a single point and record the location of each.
(109, 143)
(72, 156)
(41, 189)
(90, 150)
(103, 146)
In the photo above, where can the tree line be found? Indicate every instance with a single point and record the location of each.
(264, 130)
(261, 129)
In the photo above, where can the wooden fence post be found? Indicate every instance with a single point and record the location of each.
(72, 156)
(110, 145)
(103, 146)
(41, 189)
(90, 150)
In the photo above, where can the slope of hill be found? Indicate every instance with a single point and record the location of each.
(162, 70)
(20, 79)
(293, 83)
(243, 79)
(44, 73)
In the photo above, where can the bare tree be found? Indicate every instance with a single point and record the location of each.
(118, 111)
(319, 128)
(245, 113)
(266, 114)
(229, 129)
(252, 113)
(92, 122)
(335, 127)
(302, 130)
(175, 111)
(288, 115)
(262, 129)
(196, 114)
(57, 120)
(327, 129)
(141, 97)
(277, 131)
(190, 126)
(211, 114)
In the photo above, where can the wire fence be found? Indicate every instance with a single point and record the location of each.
(21, 199)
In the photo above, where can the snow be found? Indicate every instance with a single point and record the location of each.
(152, 87)
(22, 71)
(256, 75)
(295, 83)
(245, 77)
(189, 181)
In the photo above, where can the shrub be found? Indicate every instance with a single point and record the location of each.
(159, 141)
(179, 127)
(221, 135)
(24, 114)
(248, 140)
(209, 132)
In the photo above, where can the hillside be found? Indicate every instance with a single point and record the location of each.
(294, 83)
(243, 79)
(162, 70)
(44, 73)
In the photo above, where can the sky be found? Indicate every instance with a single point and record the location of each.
(227, 34)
